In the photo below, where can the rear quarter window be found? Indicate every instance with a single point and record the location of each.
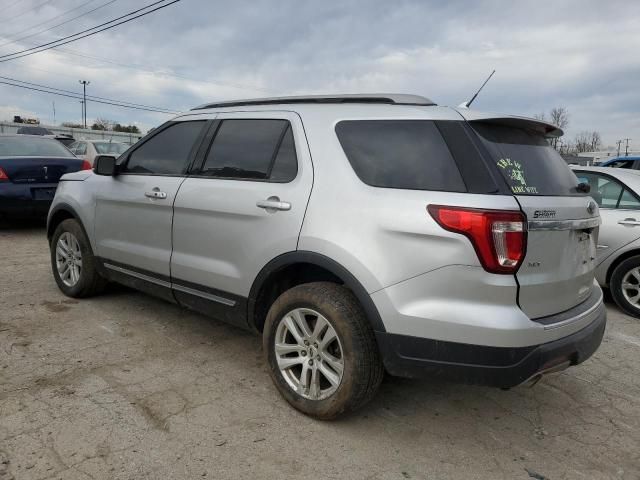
(406, 154)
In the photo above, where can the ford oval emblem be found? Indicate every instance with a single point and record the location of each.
(591, 207)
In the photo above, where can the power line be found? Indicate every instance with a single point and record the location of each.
(11, 5)
(79, 97)
(15, 40)
(90, 97)
(142, 69)
(49, 45)
(50, 19)
(27, 11)
(146, 69)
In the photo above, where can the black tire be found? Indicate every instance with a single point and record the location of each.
(363, 370)
(90, 281)
(615, 285)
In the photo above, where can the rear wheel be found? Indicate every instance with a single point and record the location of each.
(321, 350)
(73, 262)
(625, 286)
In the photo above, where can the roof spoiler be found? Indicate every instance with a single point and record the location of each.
(539, 126)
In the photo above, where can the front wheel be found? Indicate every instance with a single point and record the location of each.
(625, 286)
(73, 262)
(321, 350)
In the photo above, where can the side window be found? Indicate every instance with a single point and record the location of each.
(81, 148)
(73, 147)
(604, 190)
(408, 154)
(285, 167)
(252, 150)
(166, 153)
(628, 201)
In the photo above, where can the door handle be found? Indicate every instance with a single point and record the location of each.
(273, 204)
(156, 193)
(629, 221)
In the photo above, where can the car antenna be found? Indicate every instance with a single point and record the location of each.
(468, 104)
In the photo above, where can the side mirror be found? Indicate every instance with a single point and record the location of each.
(105, 165)
(583, 187)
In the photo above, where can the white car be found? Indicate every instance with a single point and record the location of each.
(89, 149)
(617, 192)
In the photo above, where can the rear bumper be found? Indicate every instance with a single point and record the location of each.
(503, 367)
(18, 200)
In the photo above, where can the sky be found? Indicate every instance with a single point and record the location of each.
(580, 54)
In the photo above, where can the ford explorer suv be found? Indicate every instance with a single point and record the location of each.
(358, 234)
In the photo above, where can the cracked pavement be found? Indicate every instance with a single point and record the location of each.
(125, 386)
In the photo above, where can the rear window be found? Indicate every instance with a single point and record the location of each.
(407, 154)
(527, 162)
(104, 148)
(29, 146)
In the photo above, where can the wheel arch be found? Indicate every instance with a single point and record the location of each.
(59, 214)
(322, 268)
(635, 252)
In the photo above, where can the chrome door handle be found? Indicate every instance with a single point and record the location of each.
(156, 193)
(273, 204)
(629, 221)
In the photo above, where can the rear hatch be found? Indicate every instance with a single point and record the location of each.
(558, 269)
(38, 169)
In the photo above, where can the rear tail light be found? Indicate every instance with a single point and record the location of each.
(3, 176)
(86, 165)
(499, 237)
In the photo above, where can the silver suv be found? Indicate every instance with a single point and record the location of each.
(357, 234)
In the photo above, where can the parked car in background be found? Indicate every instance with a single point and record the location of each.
(356, 233)
(41, 131)
(617, 192)
(89, 149)
(30, 168)
(631, 162)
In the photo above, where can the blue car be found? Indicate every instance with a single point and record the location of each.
(631, 161)
(30, 169)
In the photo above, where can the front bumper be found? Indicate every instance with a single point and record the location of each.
(503, 367)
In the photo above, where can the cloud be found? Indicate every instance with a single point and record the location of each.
(581, 54)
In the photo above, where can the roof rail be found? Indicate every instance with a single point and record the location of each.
(384, 98)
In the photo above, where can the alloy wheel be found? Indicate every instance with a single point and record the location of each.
(309, 354)
(68, 259)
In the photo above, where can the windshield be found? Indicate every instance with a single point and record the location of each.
(104, 148)
(32, 147)
(527, 162)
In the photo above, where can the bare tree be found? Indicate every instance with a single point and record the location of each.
(596, 141)
(540, 116)
(559, 116)
(102, 124)
(582, 141)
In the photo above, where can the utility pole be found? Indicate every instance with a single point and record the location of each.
(84, 101)
(619, 142)
(626, 148)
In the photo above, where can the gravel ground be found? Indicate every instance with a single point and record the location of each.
(124, 386)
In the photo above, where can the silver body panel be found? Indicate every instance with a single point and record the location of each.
(558, 269)
(130, 227)
(222, 238)
(424, 281)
